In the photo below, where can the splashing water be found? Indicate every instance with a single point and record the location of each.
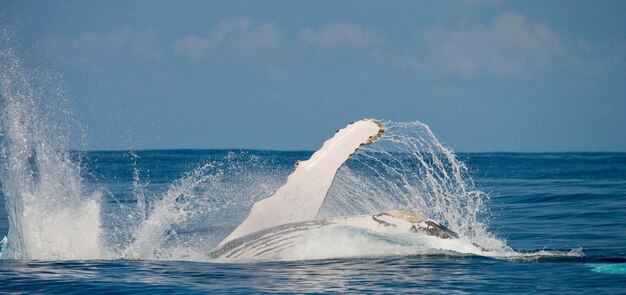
(188, 219)
(51, 215)
(409, 169)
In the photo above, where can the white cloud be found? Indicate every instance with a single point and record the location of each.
(245, 35)
(193, 47)
(141, 43)
(510, 45)
(339, 34)
(262, 36)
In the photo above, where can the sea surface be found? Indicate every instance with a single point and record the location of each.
(566, 210)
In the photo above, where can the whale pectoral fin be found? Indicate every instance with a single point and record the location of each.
(301, 197)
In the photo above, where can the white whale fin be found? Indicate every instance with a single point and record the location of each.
(301, 197)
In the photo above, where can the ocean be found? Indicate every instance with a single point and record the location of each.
(572, 205)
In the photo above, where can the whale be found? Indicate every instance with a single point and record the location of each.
(271, 243)
(284, 220)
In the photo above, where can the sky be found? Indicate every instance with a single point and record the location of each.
(485, 75)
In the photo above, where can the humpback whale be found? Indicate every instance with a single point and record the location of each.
(282, 221)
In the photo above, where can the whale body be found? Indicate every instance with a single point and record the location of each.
(272, 242)
(283, 221)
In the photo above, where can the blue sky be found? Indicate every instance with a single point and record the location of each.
(486, 75)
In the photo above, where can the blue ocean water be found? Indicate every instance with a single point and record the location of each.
(568, 203)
